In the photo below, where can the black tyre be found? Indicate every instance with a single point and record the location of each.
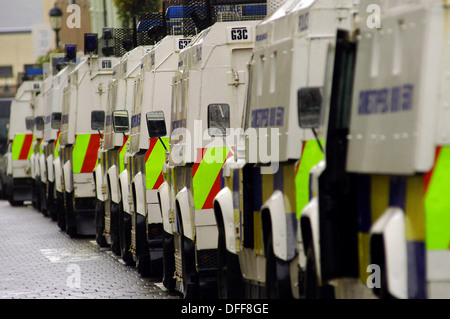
(35, 200)
(51, 201)
(71, 228)
(278, 285)
(125, 236)
(3, 193)
(142, 250)
(190, 277)
(312, 290)
(168, 262)
(100, 223)
(43, 199)
(15, 202)
(60, 211)
(229, 277)
(143, 265)
(114, 231)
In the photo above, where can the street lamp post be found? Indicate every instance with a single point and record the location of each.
(56, 14)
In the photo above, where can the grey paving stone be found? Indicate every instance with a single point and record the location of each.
(38, 261)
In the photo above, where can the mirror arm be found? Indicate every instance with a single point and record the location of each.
(317, 139)
(100, 133)
(163, 143)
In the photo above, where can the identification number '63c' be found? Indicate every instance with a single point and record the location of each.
(241, 34)
(182, 43)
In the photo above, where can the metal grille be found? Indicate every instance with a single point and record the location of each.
(238, 10)
(119, 41)
(155, 231)
(84, 203)
(207, 259)
(123, 41)
(178, 265)
(173, 16)
(196, 16)
(179, 17)
(273, 5)
(150, 28)
(189, 17)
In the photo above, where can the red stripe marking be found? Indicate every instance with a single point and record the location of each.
(91, 154)
(153, 142)
(28, 140)
(57, 136)
(159, 181)
(213, 192)
(429, 175)
(298, 162)
(73, 145)
(200, 153)
(123, 143)
(230, 153)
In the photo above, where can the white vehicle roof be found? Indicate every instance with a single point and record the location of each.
(22, 107)
(290, 54)
(211, 78)
(55, 100)
(39, 105)
(153, 87)
(86, 92)
(120, 91)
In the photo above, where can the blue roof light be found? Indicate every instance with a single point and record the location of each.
(253, 10)
(174, 12)
(90, 42)
(71, 52)
(33, 71)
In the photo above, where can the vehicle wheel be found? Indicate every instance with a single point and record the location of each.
(312, 290)
(143, 265)
(15, 202)
(142, 249)
(190, 288)
(43, 199)
(114, 231)
(229, 276)
(100, 223)
(51, 201)
(60, 212)
(190, 278)
(2, 190)
(168, 262)
(125, 236)
(71, 229)
(278, 284)
(36, 201)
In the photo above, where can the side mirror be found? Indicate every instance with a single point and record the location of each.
(121, 122)
(97, 120)
(56, 121)
(156, 124)
(29, 123)
(309, 103)
(71, 52)
(40, 123)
